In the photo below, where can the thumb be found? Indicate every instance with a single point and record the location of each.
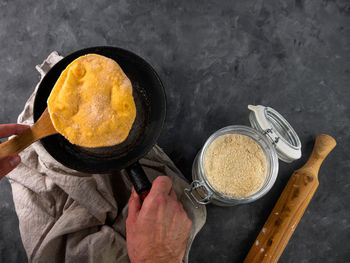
(8, 163)
(134, 205)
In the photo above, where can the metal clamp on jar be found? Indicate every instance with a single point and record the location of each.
(271, 132)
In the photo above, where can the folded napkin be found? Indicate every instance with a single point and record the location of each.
(68, 216)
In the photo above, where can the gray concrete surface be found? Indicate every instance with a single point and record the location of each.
(214, 58)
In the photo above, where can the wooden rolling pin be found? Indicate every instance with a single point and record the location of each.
(291, 205)
(42, 128)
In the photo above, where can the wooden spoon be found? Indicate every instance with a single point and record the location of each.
(42, 128)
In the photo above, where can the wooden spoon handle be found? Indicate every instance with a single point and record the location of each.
(290, 207)
(42, 128)
(18, 143)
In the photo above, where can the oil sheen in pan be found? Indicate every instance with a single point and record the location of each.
(137, 131)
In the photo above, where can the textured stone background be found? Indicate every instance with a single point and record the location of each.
(214, 58)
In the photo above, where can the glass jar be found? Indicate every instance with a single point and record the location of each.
(271, 132)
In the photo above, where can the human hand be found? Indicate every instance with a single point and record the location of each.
(8, 163)
(157, 230)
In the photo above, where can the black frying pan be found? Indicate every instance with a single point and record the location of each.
(150, 103)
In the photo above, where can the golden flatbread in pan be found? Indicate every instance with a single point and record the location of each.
(91, 103)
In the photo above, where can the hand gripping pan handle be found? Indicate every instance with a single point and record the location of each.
(139, 179)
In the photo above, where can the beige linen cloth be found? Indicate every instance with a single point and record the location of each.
(68, 216)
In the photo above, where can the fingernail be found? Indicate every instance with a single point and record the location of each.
(14, 161)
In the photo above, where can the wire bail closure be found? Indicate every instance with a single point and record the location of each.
(195, 186)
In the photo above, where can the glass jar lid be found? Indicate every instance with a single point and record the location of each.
(277, 130)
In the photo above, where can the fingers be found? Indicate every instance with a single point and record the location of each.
(161, 185)
(8, 163)
(159, 196)
(7, 130)
(172, 194)
(134, 205)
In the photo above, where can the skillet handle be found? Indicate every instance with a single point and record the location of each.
(139, 179)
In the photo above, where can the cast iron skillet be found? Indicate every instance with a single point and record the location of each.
(150, 101)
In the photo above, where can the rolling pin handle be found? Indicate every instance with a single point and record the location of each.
(324, 144)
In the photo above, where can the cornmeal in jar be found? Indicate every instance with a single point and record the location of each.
(235, 165)
(91, 103)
